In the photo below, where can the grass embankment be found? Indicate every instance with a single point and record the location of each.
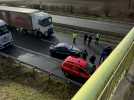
(20, 83)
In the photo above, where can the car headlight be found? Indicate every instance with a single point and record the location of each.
(51, 47)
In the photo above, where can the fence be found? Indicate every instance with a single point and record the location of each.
(105, 80)
(35, 68)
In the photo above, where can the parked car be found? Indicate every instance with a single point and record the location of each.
(63, 50)
(76, 67)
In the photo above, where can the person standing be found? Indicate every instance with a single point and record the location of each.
(91, 65)
(105, 53)
(103, 56)
(85, 38)
(97, 38)
(74, 38)
(84, 54)
(89, 40)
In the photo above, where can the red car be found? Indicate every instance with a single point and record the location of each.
(76, 67)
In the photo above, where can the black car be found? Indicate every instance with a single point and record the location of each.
(62, 50)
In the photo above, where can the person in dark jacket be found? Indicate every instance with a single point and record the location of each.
(89, 40)
(91, 65)
(85, 38)
(105, 53)
(84, 54)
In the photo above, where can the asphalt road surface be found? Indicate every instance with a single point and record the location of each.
(35, 51)
(42, 45)
(118, 28)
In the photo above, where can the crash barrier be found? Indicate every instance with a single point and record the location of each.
(35, 68)
(102, 84)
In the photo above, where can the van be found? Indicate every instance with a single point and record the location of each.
(75, 67)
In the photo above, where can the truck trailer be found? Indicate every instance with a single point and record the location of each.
(32, 20)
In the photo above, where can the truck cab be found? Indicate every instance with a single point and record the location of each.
(43, 22)
(32, 21)
(5, 35)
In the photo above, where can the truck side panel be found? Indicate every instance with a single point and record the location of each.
(4, 16)
(17, 19)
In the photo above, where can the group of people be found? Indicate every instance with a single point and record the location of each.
(91, 66)
(87, 41)
(87, 38)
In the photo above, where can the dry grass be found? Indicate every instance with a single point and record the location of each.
(20, 83)
(10, 90)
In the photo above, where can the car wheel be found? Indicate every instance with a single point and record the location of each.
(66, 74)
(51, 54)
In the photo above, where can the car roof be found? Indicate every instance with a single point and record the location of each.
(2, 22)
(78, 61)
(62, 45)
(67, 46)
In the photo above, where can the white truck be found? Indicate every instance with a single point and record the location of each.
(30, 20)
(5, 35)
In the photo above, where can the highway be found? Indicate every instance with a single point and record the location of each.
(77, 23)
(35, 51)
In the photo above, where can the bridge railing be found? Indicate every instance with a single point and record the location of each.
(104, 81)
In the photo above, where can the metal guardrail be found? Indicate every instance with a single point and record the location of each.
(104, 81)
(117, 76)
(50, 74)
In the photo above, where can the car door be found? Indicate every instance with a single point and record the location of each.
(83, 73)
(63, 51)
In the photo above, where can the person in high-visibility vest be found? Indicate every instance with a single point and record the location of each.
(74, 38)
(97, 38)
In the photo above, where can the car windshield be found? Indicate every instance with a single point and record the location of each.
(63, 45)
(74, 48)
(46, 21)
(3, 30)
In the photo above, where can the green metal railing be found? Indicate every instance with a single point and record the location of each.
(104, 81)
